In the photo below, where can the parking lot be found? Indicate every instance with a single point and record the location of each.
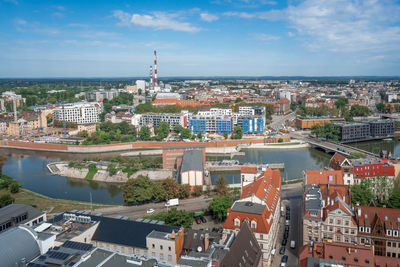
(210, 224)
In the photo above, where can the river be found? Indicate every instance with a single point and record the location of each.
(29, 169)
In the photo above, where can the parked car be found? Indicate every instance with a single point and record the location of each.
(292, 244)
(203, 219)
(286, 227)
(284, 242)
(150, 211)
(287, 217)
(198, 221)
(288, 208)
(282, 251)
(286, 235)
(284, 260)
(287, 222)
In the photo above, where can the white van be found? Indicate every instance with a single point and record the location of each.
(292, 244)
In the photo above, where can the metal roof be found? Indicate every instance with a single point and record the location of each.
(248, 207)
(14, 210)
(16, 244)
(192, 161)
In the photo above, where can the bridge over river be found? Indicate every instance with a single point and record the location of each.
(330, 147)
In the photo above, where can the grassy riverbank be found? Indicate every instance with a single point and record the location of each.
(52, 205)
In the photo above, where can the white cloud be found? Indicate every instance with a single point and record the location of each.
(158, 21)
(265, 37)
(290, 34)
(341, 25)
(208, 17)
(266, 15)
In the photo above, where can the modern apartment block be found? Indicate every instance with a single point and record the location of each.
(216, 112)
(252, 110)
(101, 94)
(81, 113)
(359, 131)
(251, 125)
(154, 119)
(211, 124)
(353, 131)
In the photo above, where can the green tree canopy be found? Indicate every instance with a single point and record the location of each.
(221, 185)
(144, 133)
(174, 217)
(237, 133)
(139, 189)
(219, 206)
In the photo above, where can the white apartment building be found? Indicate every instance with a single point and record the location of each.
(141, 84)
(251, 110)
(81, 113)
(154, 119)
(216, 112)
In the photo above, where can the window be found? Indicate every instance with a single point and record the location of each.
(389, 232)
(330, 220)
(361, 229)
(346, 222)
(237, 222)
(161, 256)
(153, 246)
(339, 222)
(338, 238)
(169, 257)
(169, 248)
(161, 247)
(389, 244)
(253, 224)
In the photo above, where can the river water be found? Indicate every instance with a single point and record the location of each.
(29, 169)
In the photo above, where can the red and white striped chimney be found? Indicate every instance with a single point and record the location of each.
(155, 69)
(151, 76)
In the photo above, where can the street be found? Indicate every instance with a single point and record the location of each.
(133, 212)
(278, 120)
(292, 197)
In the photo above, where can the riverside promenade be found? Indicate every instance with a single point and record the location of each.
(121, 147)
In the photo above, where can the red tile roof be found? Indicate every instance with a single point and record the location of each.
(347, 254)
(283, 100)
(370, 216)
(324, 177)
(252, 170)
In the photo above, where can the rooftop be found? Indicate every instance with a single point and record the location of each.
(192, 161)
(248, 207)
(14, 210)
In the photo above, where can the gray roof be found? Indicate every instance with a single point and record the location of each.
(312, 198)
(248, 207)
(161, 235)
(193, 262)
(16, 244)
(192, 161)
(317, 262)
(14, 210)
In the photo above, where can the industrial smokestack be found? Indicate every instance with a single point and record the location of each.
(151, 76)
(155, 69)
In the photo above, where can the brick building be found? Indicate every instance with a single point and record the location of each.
(170, 154)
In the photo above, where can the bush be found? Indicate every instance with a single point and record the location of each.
(280, 140)
(198, 191)
(6, 199)
(14, 187)
(92, 171)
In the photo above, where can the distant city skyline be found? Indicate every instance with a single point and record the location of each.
(199, 38)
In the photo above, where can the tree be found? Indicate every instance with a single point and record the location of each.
(380, 107)
(238, 100)
(359, 111)
(394, 200)
(269, 110)
(83, 134)
(177, 129)
(197, 191)
(199, 135)
(112, 169)
(163, 130)
(174, 217)
(362, 193)
(144, 133)
(5, 199)
(183, 191)
(14, 187)
(159, 192)
(171, 187)
(219, 206)
(226, 135)
(139, 189)
(237, 133)
(221, 185)
(317, 130)
(280, 140)
(341, 102)
(186, 133)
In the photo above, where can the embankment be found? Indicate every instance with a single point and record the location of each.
(91, 149)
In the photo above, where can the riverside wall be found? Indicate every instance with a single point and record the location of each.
(81, 149)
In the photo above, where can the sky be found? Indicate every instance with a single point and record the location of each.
(75, 38)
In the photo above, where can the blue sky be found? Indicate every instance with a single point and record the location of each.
(199, 38)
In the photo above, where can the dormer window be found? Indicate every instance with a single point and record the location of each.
(368, 229)
(395, 233)
(237, 222)
(361, 229)
(253, 224)
(389, 232)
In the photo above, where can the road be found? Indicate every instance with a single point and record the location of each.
(278, 120)
(292, 196)
(133, 212)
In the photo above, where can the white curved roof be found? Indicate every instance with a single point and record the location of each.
(16, 244)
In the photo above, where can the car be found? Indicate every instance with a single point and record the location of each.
(287, 217)
(198, 221)
(284, 242)
(286, 235)
(203, 219)
(287, 222)
(282, 251)
(293, 244)
(150, 211)
(284, 260)
(288, 208)
(286, 227)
